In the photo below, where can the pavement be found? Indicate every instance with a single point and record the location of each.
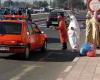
(86, 68)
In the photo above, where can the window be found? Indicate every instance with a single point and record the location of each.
(29, 28)
(35, 29)
(10, 28)
(34, 25)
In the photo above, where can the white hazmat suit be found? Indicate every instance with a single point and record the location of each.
(74, 33)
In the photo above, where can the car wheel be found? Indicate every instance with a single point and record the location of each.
(25, 54)
(44, 47)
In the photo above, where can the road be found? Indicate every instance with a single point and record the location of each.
(51, 65)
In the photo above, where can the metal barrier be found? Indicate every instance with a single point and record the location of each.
(39, 16)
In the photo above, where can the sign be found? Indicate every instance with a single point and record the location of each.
(93, 5)
(85, 1)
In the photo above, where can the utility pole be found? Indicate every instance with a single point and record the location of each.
(50, 3)
(0, 3)
(10, 3)
(33, 1)
(68, 2)
(71, 5)
(25, 4)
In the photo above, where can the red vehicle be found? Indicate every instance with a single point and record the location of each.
(19, 36)
(98, 15)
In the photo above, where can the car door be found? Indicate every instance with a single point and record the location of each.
(33, 40)
(38, 34)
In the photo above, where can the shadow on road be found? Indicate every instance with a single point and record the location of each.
(60, 56)
(53, 40)
(49, 56)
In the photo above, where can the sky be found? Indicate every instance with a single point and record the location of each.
(27, 0)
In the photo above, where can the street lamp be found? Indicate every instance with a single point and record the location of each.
(0, 3)
(25, 3)
(50, 3)
(68, 3)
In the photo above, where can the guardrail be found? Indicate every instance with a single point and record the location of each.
(39, 16)
(43, 17)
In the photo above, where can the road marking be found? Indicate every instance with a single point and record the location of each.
(68, 69)
(17, 77)
(45, 56)
(26, 70)
(60, 79)
(76, 59)
(63, 74)
(1, 60)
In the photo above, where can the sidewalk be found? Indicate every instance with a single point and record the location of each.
(86, 68)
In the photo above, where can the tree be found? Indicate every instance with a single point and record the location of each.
(8, 3)
(60, 3)
(76, 4)
(40, 4)
(69, 4)
(45, 4)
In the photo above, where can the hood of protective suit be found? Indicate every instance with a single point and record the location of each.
(73, 22)
(60, 18)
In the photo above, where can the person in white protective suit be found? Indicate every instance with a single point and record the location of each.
(74, 33)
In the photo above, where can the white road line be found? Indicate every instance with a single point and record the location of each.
(60, 79)
(67, 69)
(63, 74)
(17, 77)
(45, 57)
(76, 59)
(1, 60)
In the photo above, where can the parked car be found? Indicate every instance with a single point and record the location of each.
(52, 18)
(20, 36)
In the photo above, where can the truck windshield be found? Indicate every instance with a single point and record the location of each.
(10, 28)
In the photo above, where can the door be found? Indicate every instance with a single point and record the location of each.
(38, 34)
(33, 39)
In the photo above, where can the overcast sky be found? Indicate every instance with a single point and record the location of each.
(27, 0)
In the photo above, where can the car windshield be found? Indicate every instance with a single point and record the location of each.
(10, 28)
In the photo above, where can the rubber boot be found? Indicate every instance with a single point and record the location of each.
(64, 46)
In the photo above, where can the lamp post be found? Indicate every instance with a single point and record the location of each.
(33, 1)
(68, 3)
(25, 3)
(50, 3)
(0, 3)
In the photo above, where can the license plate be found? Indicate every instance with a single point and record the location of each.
(54, 22)
(4, 49)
